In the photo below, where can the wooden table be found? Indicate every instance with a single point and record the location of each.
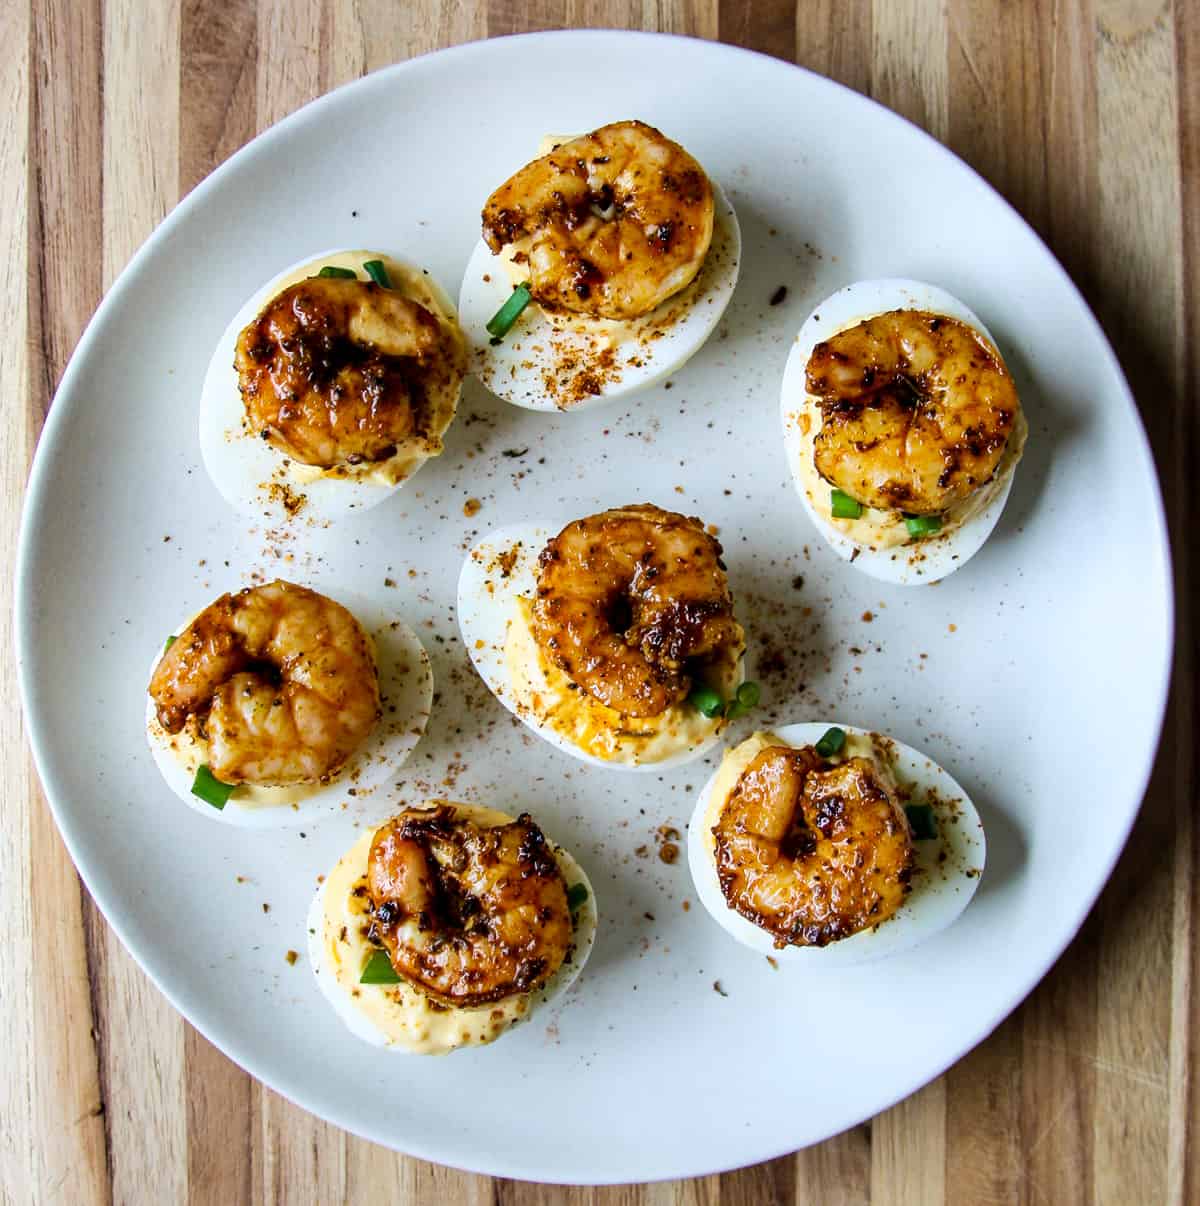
(1085, 115)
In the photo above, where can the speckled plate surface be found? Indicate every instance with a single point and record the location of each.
(1021, 674)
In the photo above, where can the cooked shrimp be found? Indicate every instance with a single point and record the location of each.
(610, 224)
(468, 914)
(812, 852)
(917, 409)
(627, 599)
(339, 372)
(281, 682)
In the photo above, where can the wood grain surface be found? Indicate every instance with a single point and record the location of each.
(1084, 113)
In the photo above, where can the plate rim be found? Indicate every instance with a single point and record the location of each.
(25, 606)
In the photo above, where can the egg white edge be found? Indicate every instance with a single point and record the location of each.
(479, 300)
(388, 747)
(238, 463)
(931, 907)
(936, 557)
(586, 921)
(490, 626)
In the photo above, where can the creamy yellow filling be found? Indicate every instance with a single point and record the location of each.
(190, 750)
(420, 287)
(551, 699)
(405, 1016)
(879, 529)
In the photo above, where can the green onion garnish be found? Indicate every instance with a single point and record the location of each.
(341, 274)
(378, 273)
(923, 525)
(210, 789)
(920, 818)
(843, 506)
(576, 895)
(707, 701)
(501, 322)
(745, 698)
(378, 969)
(169, 642)
(831, 743)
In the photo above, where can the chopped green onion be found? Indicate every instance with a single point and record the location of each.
(341, 274)
(707, 701)
(745, 698)
(920, 818)
(831, 743)
(501, 322)
(843, 506)
(169, 642)
(378, 273)
(378, 969)
(923, 525)
(576, 895)
(210, 789)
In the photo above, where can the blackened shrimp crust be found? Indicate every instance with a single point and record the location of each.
(630, 603)
(468, 914)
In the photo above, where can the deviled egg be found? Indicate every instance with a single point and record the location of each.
(331, 387)
(277, 705)
(614, 639)
(447, 925)
(831, 845)
(902, 428)
(604, 266)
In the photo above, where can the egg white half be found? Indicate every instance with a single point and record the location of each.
(499, 569)
(925, 560)
(400, 1017)
(256, 478)
(406, 692)
(539, 349)
(941, 888)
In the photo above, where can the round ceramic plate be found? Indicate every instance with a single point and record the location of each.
(1009, 673)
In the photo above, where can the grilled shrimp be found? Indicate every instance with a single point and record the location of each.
(916, 408)
(337, 372)
(468, 914)
(627, 599)
(610, 224)
(280, 680)
(812, 852)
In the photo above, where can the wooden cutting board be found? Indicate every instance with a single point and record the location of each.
(1086, 115)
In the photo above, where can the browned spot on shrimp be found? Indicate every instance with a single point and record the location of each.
(468, 914)
(917, 409)
(809, 852)
(629, 602)
(610, 224)
(337, 372)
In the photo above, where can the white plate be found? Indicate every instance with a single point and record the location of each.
(1042, 689)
